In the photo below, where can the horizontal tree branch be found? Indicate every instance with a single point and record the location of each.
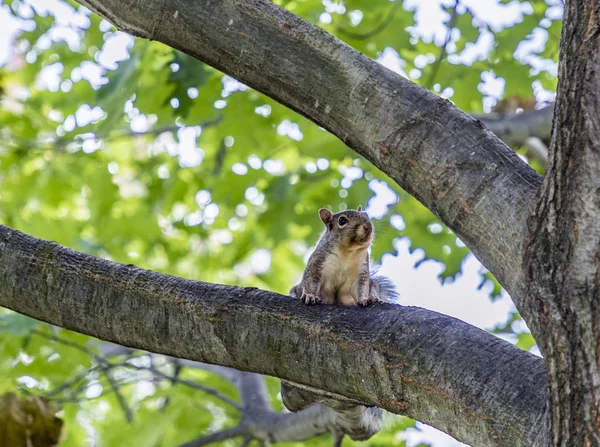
(407, 360)
(445, 158)
(516, 128)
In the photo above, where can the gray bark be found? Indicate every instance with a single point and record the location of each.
(407, 360)
(449, 161)
(515, 129)
(260, 422)
(563, 252)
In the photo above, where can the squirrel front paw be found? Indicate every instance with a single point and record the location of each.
(309, 298)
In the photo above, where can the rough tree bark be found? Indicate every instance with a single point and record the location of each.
(406, 360)
(563, 251)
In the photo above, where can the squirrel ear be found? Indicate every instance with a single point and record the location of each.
(325, 215)
(359, 208)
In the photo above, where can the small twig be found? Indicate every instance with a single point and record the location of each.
(379, 28)
(99, 359)
(61, 400)
(120, 398)
(70, 383)
(105, 365)
(220, 158)
(218, 436)
(444, 49)
(247, 441)
(159, 130)
(63, 142)
(189, 383)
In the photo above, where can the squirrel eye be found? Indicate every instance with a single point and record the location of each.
(342, 221)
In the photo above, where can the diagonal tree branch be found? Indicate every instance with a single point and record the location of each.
(442, 156)
(410, 361)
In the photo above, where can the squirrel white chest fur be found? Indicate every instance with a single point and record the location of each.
(340, 274)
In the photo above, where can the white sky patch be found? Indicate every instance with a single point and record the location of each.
(115, 49)
(429, 20)
(290, 129)
(91, 72)
(356, 17)
(424, 434)
(264, 110)
(140, 124)
(541, 94)
(274, 167)
(9, 26)
(231, 85)
(260, 261)
(48, 77)
(190, 155)
(384, 197)
(239, 168)
(460, 299)
(254, 162)
(491, 84)
(85, 115)
(497, 15)
(472, 52)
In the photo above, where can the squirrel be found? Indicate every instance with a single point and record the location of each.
(338, 271)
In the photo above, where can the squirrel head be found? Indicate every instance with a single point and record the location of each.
(352, 229)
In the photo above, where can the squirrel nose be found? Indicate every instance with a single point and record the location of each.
(368, 227)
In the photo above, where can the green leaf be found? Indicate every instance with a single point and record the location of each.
(17, 324)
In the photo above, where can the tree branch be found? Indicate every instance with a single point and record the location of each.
(407, 360)
(514, 129)
(188, 383)
(444, 48)
(389, 18)
(445, 158)
(234, 432)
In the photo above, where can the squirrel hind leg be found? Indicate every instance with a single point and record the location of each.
(374, 296)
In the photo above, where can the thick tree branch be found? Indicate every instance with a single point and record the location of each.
(407, 360)
(442, 156)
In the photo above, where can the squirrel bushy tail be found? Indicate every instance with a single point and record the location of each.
(387, 289)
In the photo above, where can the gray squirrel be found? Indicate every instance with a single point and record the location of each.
(339, 271)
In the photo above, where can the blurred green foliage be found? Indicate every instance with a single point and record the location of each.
(156, 159)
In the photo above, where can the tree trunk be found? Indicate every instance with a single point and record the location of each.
(563, 253)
